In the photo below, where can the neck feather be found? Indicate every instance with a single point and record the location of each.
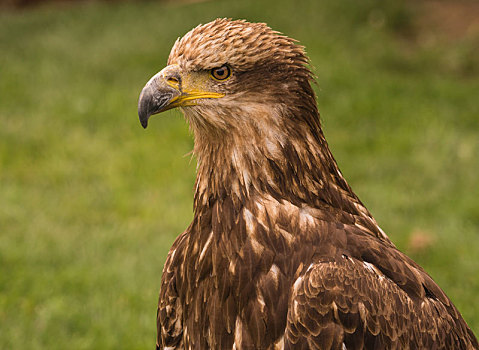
(265, 150)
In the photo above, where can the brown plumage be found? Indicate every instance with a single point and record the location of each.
(281, 254)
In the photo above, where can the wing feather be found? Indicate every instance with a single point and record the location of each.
(346, 301)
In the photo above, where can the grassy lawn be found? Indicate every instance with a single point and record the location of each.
(90, 202)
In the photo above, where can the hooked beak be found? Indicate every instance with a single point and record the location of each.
(165, 91)
(159, 94)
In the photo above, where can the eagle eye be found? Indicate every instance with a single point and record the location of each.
(221, 73)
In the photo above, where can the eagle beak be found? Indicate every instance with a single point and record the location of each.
(159, 94)
(167, 90)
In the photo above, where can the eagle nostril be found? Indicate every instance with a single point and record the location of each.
(173, 80)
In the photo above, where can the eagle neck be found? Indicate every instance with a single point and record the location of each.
(288, 161)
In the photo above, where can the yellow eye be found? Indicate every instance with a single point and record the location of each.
(221, 73)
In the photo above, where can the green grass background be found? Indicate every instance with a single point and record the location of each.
(90, 202)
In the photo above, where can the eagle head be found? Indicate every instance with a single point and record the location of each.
(227, 73)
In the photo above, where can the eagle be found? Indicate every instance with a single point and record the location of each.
(281, 253)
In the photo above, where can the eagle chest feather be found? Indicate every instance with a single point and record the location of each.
(234, 268)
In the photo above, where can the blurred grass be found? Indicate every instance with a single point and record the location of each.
(90, 202)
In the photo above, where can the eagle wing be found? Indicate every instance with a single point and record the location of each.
(347, 303)
(169, 316)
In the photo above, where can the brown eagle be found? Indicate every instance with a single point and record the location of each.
(281, 254)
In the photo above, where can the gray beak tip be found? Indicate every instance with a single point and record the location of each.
(154, 99)
(145, 105)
